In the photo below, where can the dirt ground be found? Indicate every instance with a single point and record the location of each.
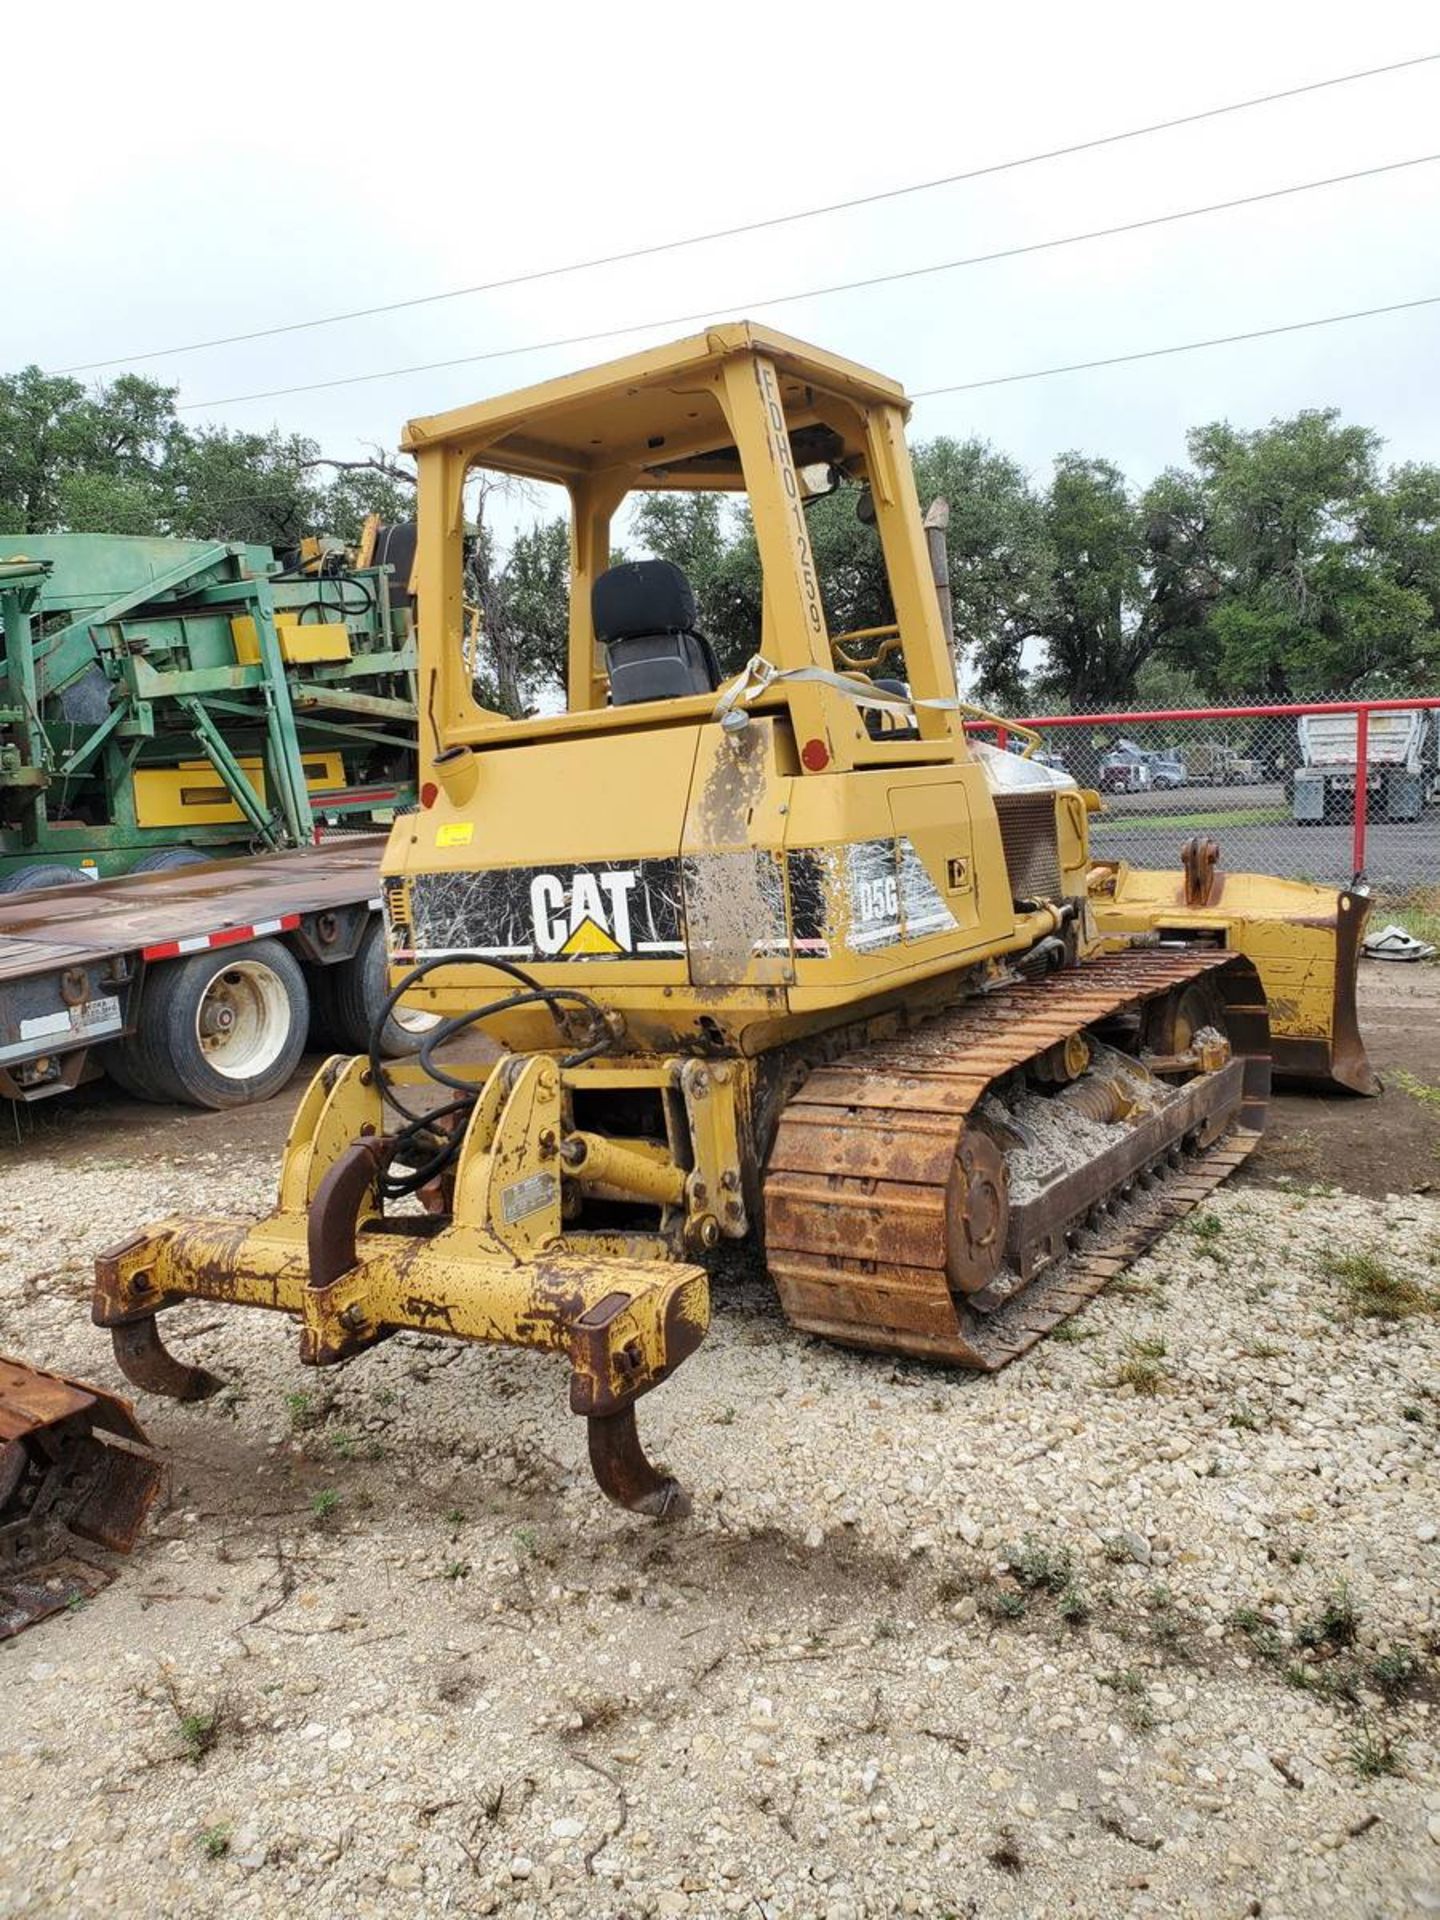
(1392, 1146)
(1145, 1625)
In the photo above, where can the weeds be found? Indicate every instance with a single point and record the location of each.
(1392, 1674)
(1207, 1230)
(725, 1417)
(1129, 1690)
(1073, 1331)
(1373, 1755)
(304, 1411)
(1336, 1624)
(1040, 1568)
(1417, 1089)
(215, 1841)
(198, 1727)
(1141, 1369)
(1374, 1291)
(455, 1518)
(1073, 1607)
(323, 1504)
(457, 1570)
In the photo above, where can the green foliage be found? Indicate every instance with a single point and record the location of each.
(118, 459)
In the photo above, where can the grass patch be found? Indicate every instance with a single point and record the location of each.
(1129, 1690)
(1141, 1368)
(1375, 1291)
(1419, 913)
(323, 1504)
(1336, 1624)
(1417, 1089)
(1073, 1331)
(1374, 1755)
(1234, 817)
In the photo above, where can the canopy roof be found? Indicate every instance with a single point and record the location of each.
(655, 413)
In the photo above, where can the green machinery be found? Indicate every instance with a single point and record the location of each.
(162, 700)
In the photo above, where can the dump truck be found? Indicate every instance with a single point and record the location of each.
(171, 700)
(1400, 765)
(783, 954)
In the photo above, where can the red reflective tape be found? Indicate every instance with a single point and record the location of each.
(225, 937)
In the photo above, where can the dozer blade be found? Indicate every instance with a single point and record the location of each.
(891, 1218)
(1304, 941)
(74, 1461)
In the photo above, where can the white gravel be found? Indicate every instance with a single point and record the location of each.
(474, 1688)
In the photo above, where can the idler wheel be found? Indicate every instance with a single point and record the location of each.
(977, 1212)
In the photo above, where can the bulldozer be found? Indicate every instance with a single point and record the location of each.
(794, 955)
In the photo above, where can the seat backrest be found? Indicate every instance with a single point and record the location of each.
(899, 725)
(644, 615)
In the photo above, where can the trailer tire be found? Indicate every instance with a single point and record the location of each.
(170, 857)
(353, 993)
(34, 879)
(126, 1066)
(224, 1029)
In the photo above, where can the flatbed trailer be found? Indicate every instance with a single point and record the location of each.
(200, 984)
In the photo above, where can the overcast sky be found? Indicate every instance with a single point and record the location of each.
(181, 172)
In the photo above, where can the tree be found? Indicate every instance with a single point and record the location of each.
(1000, 560)
(91, 461)
(1291, 568)
(1097, 627)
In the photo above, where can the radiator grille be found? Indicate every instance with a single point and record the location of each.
(1032, 847)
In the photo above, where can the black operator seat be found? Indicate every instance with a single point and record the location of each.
(881, 725)
(644, 614)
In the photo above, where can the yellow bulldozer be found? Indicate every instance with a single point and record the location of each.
(793, 956)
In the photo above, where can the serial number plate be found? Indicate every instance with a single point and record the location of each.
(527, 1197)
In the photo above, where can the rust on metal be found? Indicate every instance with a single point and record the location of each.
(1199, 858)
(624, 1473)
(1341, 1061)
(74, 1462)
(147, 1363)
(334, 1217)
(861, 1213)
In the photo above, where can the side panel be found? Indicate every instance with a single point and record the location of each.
(566, 858)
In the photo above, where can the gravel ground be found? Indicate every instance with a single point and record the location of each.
(931, 1644)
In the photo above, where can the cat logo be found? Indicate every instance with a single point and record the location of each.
(590, 917)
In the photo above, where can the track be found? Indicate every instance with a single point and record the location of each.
(883, 1207)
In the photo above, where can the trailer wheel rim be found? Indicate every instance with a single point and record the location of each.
(243, 1021)
(415, 1021)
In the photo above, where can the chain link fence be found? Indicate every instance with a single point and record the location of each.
(1276, 786)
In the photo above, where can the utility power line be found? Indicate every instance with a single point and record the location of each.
(759, 226)
(1185, 346)
(816, 293)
